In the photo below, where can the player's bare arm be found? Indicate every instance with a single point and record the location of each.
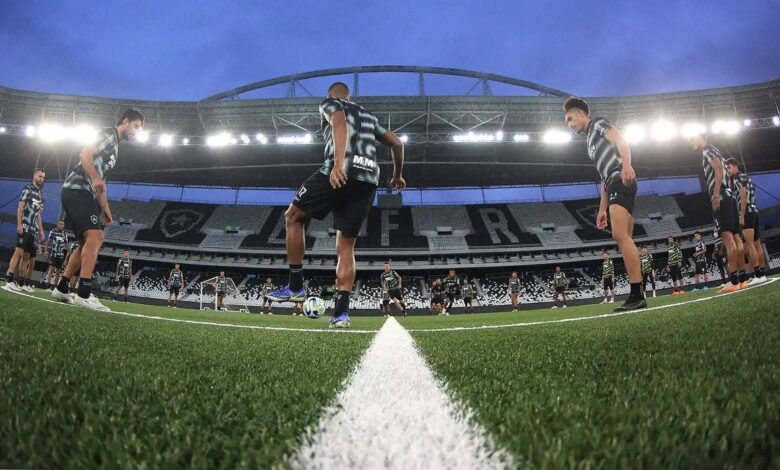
(397, 149)
(717, 168)
(87, 163)
(338, 125)
(615, 137)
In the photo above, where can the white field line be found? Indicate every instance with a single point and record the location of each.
(208, 323)
(415, 330)
(393, 413)
(591, 317)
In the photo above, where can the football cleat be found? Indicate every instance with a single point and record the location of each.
(341, 321)
(285, 294)
(632, 304)
(66, 298)
(91, 303)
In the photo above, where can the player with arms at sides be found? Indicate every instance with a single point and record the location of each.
(452, 289)
(469, 292)
(724, 209)
(28, 229)
(175, 283)
(648, 272)
(513, 288)
(124, 272)
(221, 287)
(384, 304)
(700, 256)
(266, 289)
(437, 297)
(674, 260)
(56, 245)
(611, 155)
(28, 261)
(345, 185)
(743, 187)
(85, 203)
(392, 283)
(608, 278)
(559, 284)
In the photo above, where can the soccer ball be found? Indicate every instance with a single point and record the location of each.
(314, 307)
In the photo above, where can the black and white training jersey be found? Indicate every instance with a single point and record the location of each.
(363, 130)
(176, 278)
(104, 160)
(700, 251)
(603, 153)
(124, 267)
(710, 154)
(58, 241)
(740, 181)
(32, 202)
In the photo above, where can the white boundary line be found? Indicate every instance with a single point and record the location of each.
(592, 317)
(413, 330)
(392, 412)
(202, 322)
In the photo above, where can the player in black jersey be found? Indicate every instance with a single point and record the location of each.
(724, 209)
(513, 287)
(437, 297)
(267, 288)
(56, 245)
(345, 185)
(452, 290)
(700, 259)
(469, 292)
(86, 207)
(648, 271)
(719, 254)
(748, 219)
(559, 284)
(221, 286)
(392, 282)
(28, 229)
(124, 272)
(611, 154)
(175, 283)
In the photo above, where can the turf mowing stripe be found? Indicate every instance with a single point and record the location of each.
(593, 317)
(394, 413)
(200, 322)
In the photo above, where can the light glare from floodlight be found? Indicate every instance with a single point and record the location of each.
(51, 132)
(261, 138)
(747, 122)
(185, 141)
(2, 130)
(522, 137)
(554, 136)
(244, 139)
(776, 120)
(293, 139)
(165, 140)
(83, 134)
(404, 138)
(635, 133)
(30, 131)
(472, 136)
(693, 128)
(218, 140)
(500, 135)
(725, 127)
(142, 137)
(663, 130)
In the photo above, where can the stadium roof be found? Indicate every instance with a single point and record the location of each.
(276, 141)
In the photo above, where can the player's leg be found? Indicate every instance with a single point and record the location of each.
(760, 254)
(652, 282)
(733, 261)
(564, 298)
(10, 275)
(294, 223)
(555, 298)
(345, 277)
(622, 233)
(750, 249)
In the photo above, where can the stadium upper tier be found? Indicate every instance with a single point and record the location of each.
(466, 140)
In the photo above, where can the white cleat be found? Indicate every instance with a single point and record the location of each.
(612, 301)
(757, 280)
(564, 305)
(604, 301)
(653, 294)
(28, 289)
(12, 286)
(554, 306)
(66, 298)
(91, 303)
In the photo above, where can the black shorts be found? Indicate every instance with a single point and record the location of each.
(385, 302)
(727, 216)
(620, 194)
(675, 272)
(438, 300)
(466, 300)
(395, 294)
(608, 284)
(452, 297)
(560, 289)
(27, 243)
(350, 203)
(514, 292)
(751, 221)
(701, 266)
(220, 293)
(124, 282)
(56, 262)
(82, 211)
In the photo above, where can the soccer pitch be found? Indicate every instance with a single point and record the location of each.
(693, 381)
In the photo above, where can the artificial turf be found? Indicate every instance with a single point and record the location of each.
(694, 386)
(83, 389)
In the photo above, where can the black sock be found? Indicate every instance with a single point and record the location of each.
(742, 276)
(85, 288)
(296, 277)
(760, 271)
(734, 277)
(342, 302)
(636, 290)
(63, 285)
(20, 281)
(9, 277)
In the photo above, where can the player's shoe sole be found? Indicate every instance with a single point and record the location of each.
(12, 287)
(729, 288)
(66, 298)
(342, 321)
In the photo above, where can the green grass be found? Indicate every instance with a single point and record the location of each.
(82, 389)
(696, 386)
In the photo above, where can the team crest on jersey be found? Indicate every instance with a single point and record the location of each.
(175, 223)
